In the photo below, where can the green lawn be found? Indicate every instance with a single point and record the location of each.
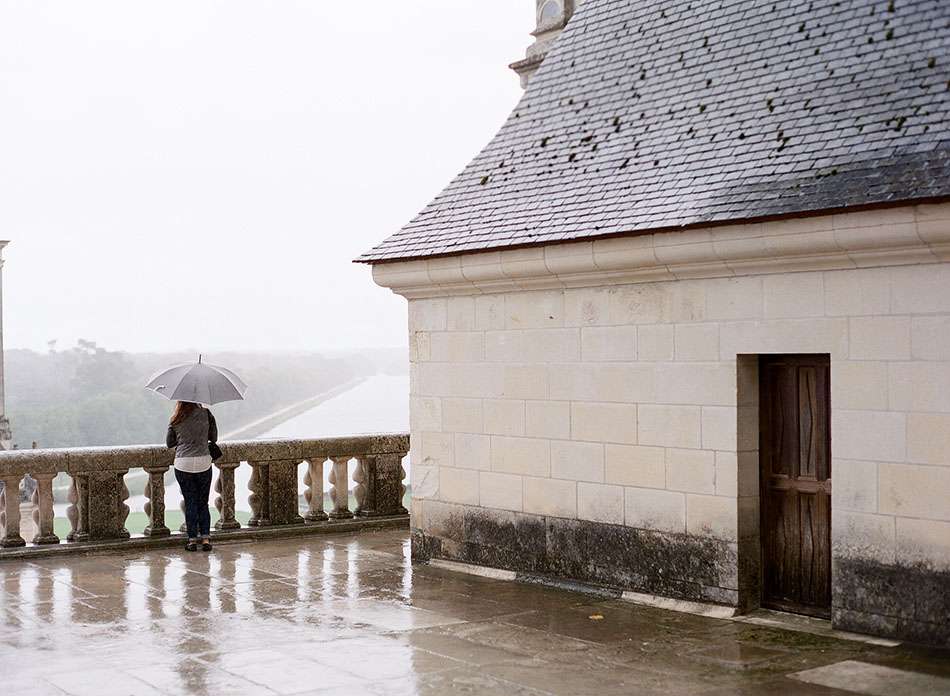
(137, 521)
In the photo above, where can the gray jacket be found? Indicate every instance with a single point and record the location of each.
(190, 438)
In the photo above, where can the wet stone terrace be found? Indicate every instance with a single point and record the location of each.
(348, 614)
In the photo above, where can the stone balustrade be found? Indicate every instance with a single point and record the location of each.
(97, 495)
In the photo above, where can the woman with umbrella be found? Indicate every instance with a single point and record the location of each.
(193, 433)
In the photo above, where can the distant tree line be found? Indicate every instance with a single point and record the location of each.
(88, 395)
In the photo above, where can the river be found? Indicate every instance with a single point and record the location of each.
(379, 404)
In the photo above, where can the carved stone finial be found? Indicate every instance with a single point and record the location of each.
(552, 17)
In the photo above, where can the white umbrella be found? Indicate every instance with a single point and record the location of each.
(198, 383)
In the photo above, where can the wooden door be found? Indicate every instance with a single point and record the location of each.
(795, 482)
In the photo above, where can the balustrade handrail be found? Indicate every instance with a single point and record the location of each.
(97, 494)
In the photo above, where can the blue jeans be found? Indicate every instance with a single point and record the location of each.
(195, 489)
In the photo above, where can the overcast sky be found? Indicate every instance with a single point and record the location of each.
(194, 174)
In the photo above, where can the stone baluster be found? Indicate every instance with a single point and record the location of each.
(122, 509)
(284, 504)
(11, 511)
(155, 501)
(259, 497)
(365, 490)
(389, 488)
(101, 511)
(402, 483)
(35, 510)
(81, 528)
(339, 493)
(72, 510)
(273, 497)
(224, 501)
(313, 480)
(43, 513)
(147, 506)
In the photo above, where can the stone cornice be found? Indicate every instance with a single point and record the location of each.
(883, 237)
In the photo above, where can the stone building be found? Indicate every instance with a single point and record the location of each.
(682, 328)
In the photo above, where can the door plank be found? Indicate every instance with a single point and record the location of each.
(795, 451)
(807, 533)
(807, 430)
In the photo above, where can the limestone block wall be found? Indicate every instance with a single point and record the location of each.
(601, 423)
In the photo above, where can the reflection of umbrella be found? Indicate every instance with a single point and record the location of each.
(199, 383)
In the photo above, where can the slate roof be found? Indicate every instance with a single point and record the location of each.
(652, 116)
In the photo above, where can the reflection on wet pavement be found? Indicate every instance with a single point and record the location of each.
(349, 615)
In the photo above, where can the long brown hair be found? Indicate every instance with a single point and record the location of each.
(183, 409)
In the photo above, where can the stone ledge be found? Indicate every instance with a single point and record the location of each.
(714, 611)
(119, 459)
(139, 542)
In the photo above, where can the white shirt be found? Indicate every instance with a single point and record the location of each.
(193, 465)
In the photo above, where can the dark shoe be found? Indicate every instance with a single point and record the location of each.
(191, 546)
(206, 546)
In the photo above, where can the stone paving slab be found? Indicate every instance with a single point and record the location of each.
(349, 614)
(875, 680)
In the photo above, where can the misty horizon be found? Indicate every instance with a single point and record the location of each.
(197, 177)
(344, 350)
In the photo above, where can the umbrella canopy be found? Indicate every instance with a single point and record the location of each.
(199, 383)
